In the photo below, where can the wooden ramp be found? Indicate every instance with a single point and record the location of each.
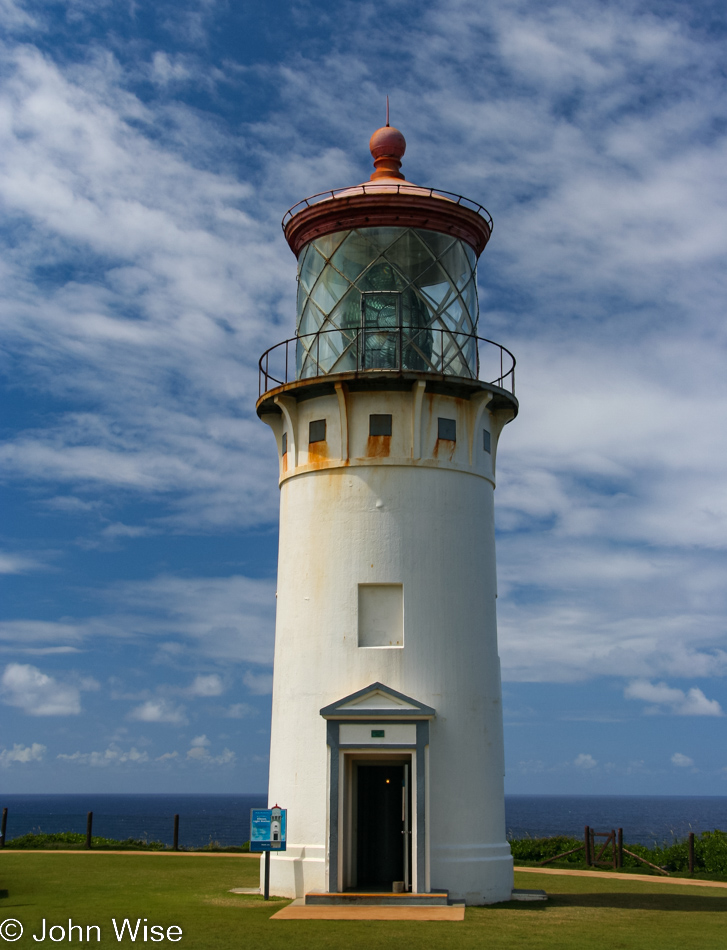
(299, 910)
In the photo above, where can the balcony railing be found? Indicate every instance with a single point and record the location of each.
(387, 349)
(377, 188)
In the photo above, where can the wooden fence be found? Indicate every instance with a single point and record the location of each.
(89, 830)
(614, 841)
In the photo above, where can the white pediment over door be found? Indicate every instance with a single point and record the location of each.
(377, 701)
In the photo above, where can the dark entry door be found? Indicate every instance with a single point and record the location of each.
(380, 843)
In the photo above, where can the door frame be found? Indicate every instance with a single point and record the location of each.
(351, 762)
(341, 758)
(359, 723)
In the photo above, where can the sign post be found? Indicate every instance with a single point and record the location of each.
(268, 828)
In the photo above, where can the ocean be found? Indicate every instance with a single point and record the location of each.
(226, 818)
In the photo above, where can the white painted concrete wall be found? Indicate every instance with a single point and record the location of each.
(415, 512)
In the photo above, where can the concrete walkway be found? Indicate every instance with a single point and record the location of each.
(624, 877)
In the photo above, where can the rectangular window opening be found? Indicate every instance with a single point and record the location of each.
(486, 441)
(380, 424)
(317, 431)
(447, 429)
(380, 615)
(284, 445)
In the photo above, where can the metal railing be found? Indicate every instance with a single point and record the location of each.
(377, 188)
(387, 349)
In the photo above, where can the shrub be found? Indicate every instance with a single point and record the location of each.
(710, 853)
(72, 839)
(64, 840)
(539, 849)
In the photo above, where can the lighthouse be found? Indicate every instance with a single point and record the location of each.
(387, 406)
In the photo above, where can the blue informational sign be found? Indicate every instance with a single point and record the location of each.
(267, 829)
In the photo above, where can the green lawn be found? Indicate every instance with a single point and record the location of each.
(192, 892)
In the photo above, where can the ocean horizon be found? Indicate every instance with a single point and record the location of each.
(225, 818)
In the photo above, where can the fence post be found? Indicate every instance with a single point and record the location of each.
(593, 846)
(175, 845)
(620, 847)
(691, 852)
(3, 827)
(615, 848)
(89, 825)
(587, 843)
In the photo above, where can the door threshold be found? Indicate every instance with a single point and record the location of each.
(380, 898)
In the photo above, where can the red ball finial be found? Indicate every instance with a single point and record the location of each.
(387, 148)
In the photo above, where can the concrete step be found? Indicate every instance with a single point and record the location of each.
(379, 899)
(521, 894)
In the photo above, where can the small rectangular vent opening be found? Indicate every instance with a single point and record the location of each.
(284, 445)
(317, 431)
(486, 441)
(380, 424)
(447, 429)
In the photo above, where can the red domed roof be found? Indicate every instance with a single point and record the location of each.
(387, 200)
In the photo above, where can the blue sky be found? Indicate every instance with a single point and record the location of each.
(147, 154)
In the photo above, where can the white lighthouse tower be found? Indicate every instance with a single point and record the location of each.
(387, 745)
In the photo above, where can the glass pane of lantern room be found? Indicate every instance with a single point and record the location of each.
(469, 299)
(354, 255)
(409, 255)
(383, 237)
(380, 309)
(438, 243)
(328, 243)
(380, 318)
(310, 266)
(457, 264)
(329, 288)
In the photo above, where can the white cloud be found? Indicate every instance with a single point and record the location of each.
(38, 651)
(199, 752)
(207, 685)
(683, 761)
(585, 761)
(224, 618)
(166, 69)
(21, 754)
(113, 755)
(230, 618)
(260, 684)
(240, 711)
(664, 698)
(37, 694)
(18, 563)
(71, 504)
(158, 710)
(176, 249)
(119, 530)
(14, 17)
(38, 631)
